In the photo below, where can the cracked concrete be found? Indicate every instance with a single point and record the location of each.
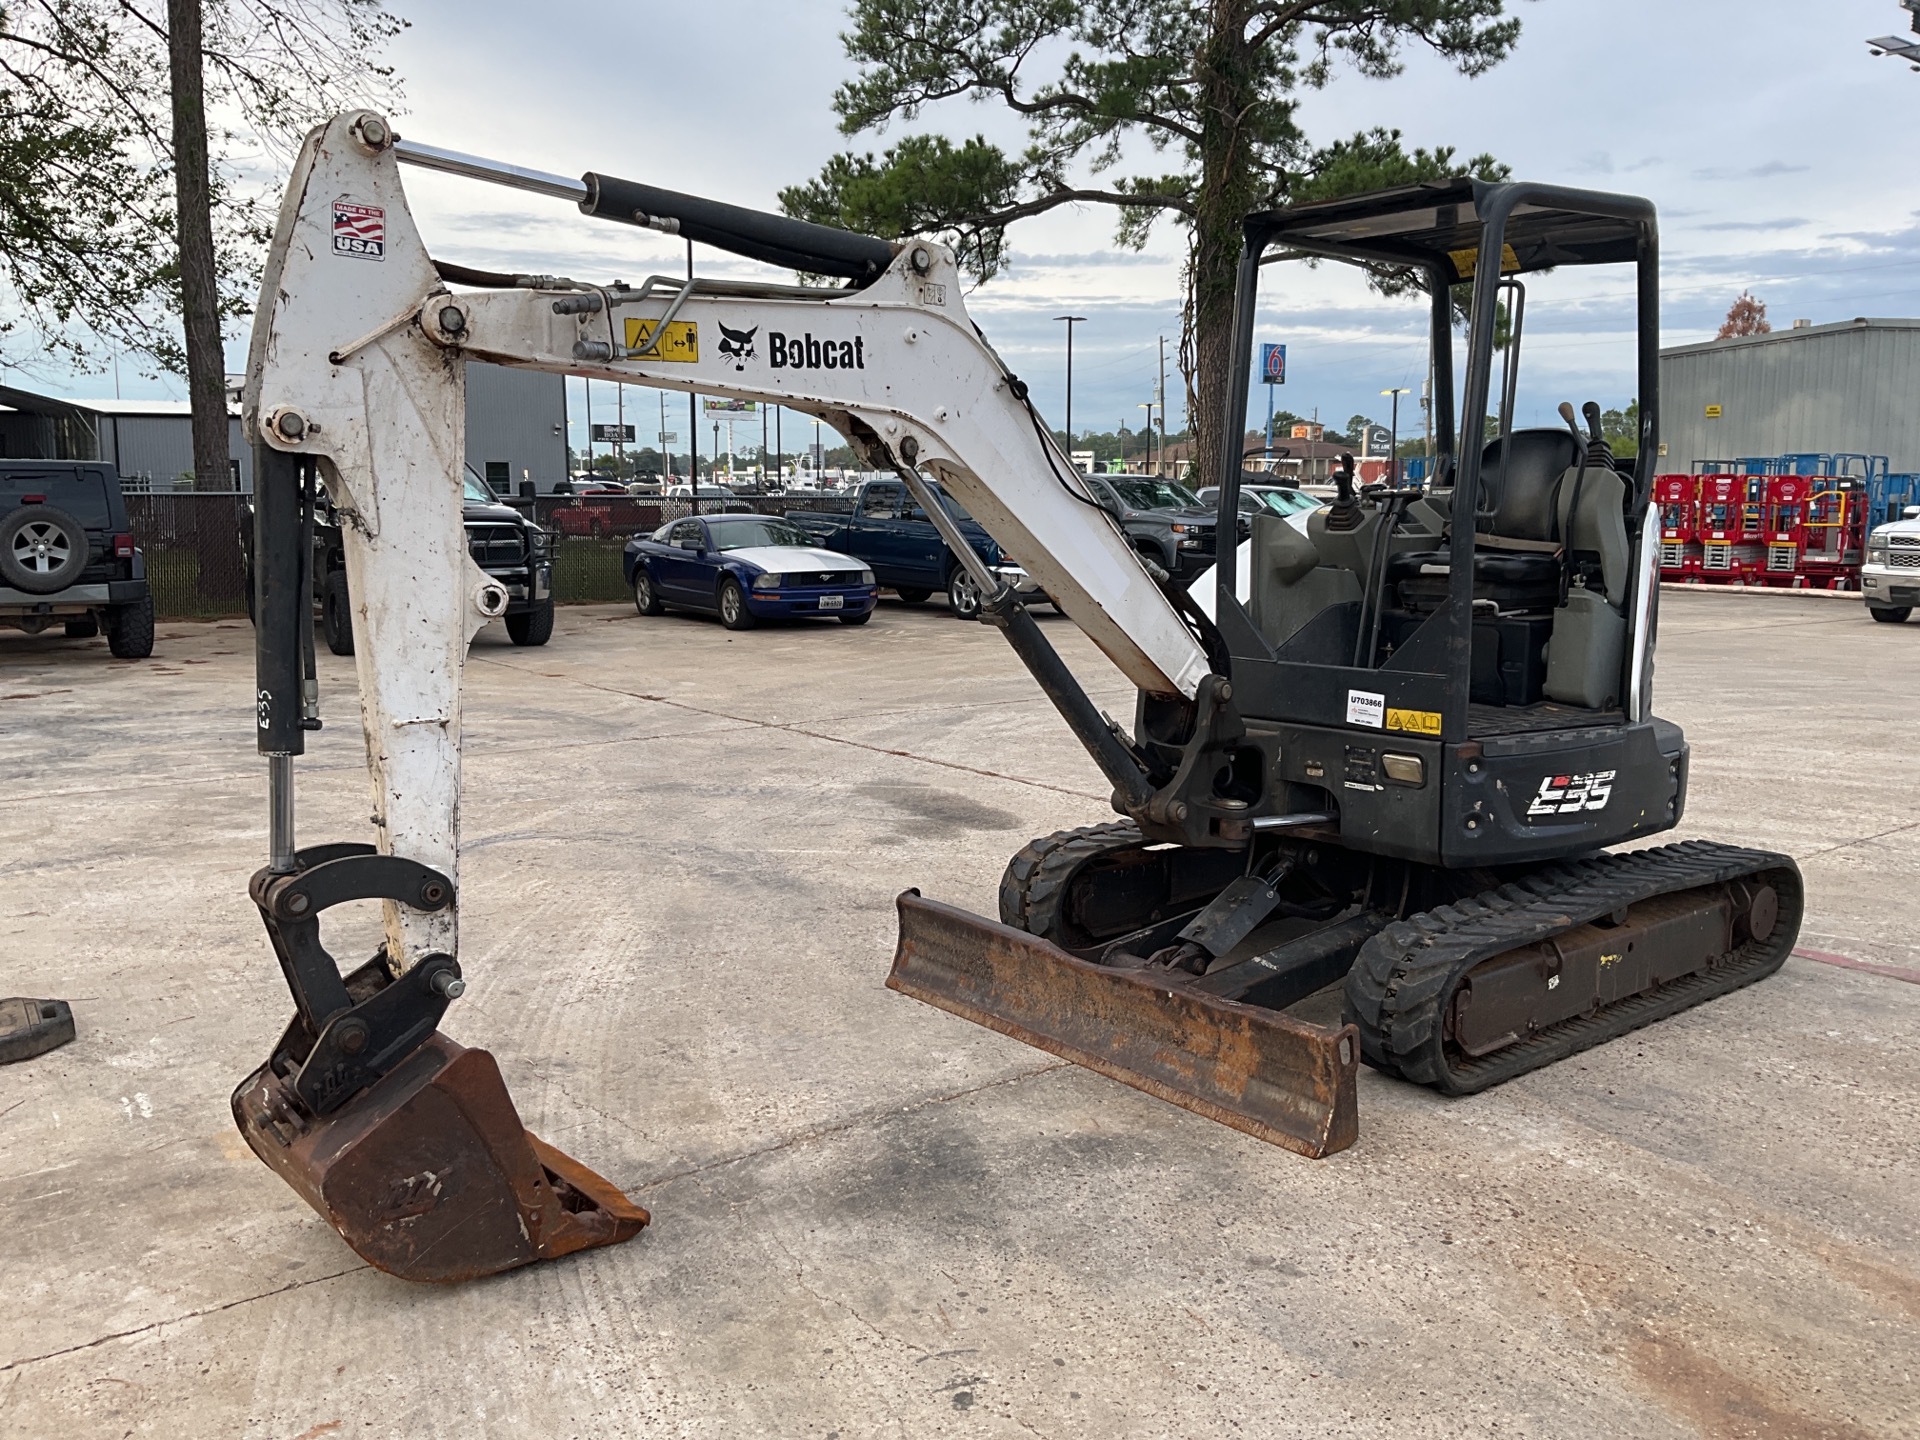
(872, 1219)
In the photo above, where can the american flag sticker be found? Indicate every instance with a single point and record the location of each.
(359, 230)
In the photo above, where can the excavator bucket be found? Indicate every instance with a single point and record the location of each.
(1258, 1070)
(428, 1173)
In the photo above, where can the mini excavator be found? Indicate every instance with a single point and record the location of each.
(1363, 805)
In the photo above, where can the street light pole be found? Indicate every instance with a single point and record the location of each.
(1071, 321)
(1393, 452)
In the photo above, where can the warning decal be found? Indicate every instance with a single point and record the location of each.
(359, 230)
(1414, 722)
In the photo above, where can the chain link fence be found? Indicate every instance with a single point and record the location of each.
(197, 567)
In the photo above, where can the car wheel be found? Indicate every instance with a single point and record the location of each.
(336, 614)
(85, 629)
(1890, 614)
(860, 619)
(645, 598)
(734, 613)
(963, 594)
(532, 627)
(130, 629)
(42, 549)
(914, 597)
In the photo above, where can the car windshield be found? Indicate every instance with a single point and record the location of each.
(1286, 502)
(743, 534)
(476, 491)
(1143, 494)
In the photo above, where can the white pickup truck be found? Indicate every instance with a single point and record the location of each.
(1890, 580)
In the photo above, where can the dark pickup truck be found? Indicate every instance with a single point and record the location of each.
(67, 557)
(891, 534)
(1167, 522)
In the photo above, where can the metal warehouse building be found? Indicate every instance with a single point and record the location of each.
(1851, 388)
(516, 428)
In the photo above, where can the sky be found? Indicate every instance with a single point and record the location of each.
(1774, 144)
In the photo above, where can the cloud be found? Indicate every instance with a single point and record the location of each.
(1758, 172)
(1785, 222)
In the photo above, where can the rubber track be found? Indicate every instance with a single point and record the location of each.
(1399, 986)
(1035, 880)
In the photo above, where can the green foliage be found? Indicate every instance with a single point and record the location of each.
(1152, 108)
(1622, 429)
(1123, 70)
(88, 259)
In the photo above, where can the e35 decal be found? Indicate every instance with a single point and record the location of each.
(1572, 794)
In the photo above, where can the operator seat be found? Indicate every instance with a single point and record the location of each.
(1516, 559)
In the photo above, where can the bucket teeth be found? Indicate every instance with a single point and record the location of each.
(1258, 1070)
(429, 1175)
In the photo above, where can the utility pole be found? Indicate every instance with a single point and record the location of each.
(620, 430)
(666, 450)
(1393, 450)
(779, 449)
(1071, 321)
(1160, 399)
(589, 384)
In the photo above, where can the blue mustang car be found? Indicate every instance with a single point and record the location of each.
(746, 568)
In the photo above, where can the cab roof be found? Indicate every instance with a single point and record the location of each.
(1439, 223)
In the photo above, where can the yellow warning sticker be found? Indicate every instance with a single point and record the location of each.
(1465, 262)
(1414, 722)
(681, 343)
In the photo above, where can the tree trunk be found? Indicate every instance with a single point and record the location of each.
(1224, 196)
(199, 283)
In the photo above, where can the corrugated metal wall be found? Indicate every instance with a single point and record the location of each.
(517, 419)
(158, 449)
(1829, 388)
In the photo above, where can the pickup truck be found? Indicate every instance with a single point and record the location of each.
(892, 535)
(1167, 522)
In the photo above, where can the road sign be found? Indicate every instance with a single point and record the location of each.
(730, 407)
(613, 434)
(669, 437)
(1273, 364)
(1376, 442)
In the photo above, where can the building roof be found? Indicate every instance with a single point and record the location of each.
(1802, 332)
(31, 403)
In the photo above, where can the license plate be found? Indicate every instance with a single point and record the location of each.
(833, 602)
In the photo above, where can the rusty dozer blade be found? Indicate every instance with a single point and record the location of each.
(1255, 1069)
(429, 1175)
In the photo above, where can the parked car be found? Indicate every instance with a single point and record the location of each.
(1257, 499)
(892, 535)
(746, 568)
(503, 542)
(1890, 578)
(67, 556)
(1166, 521)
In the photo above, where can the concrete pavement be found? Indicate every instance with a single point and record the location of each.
(872, 1219)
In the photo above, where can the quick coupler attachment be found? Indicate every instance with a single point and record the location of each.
(405, 1142)
(1261, 1071)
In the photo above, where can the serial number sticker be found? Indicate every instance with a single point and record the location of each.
(1414, 722)
(1366, 708)
(680, 345)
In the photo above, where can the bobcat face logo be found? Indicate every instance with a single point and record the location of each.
(737, 345)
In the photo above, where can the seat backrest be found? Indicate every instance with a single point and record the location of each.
(1517, 479)
(1599, 526)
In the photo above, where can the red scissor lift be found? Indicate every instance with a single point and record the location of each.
(1731, 527)
(1834, 532)
(1678, 497)
(1784, 524)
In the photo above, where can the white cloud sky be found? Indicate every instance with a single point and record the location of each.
(1773, 143)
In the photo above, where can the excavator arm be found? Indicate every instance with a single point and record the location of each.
(356, 383)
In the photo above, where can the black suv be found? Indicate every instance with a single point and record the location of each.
(503, 542)
(67, 555)
(1166, 521)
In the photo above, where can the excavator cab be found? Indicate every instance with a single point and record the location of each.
(1376, 831)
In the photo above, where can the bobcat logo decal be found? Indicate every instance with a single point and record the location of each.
(737, 345)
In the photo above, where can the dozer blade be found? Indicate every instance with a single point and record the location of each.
(1255, 1069)
(428, 1173)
